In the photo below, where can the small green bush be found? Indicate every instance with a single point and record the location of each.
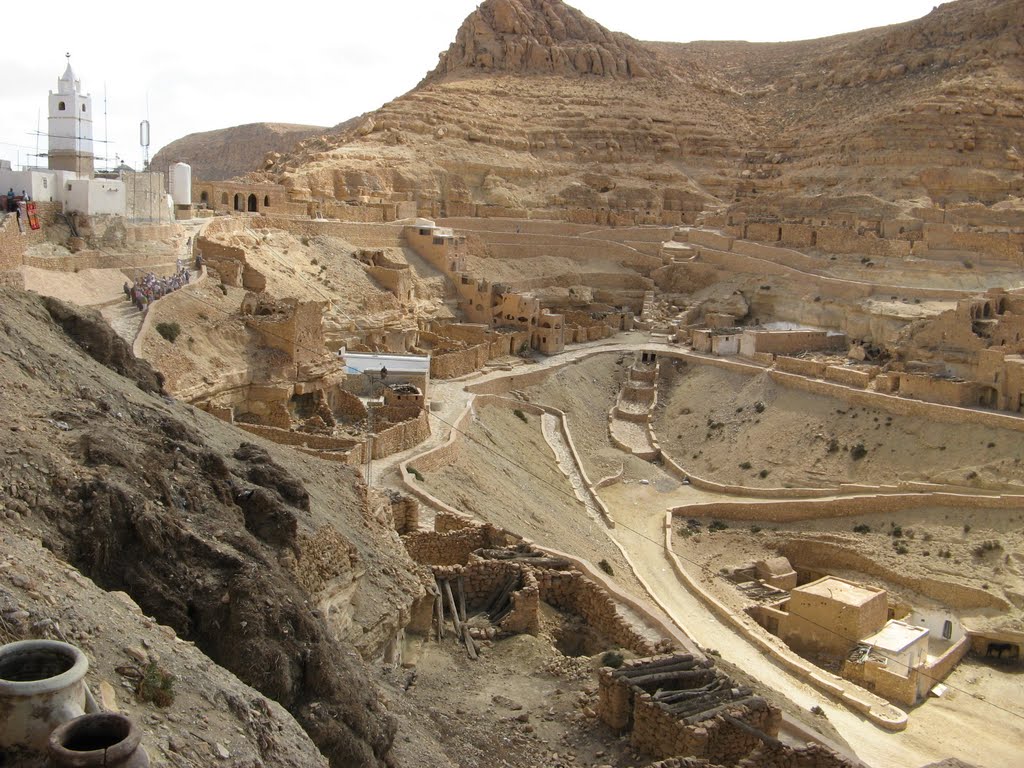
(156, 685)
(862, 528)
(858, 452)
(745, 465)
(169, 331)
(415, 473)
(605, 566)
(763, 473)
(612, 659)
(717, 525)
(521, 416)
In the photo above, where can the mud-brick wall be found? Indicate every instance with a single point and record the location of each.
(851, 377)
(663, 734)
(449, 548)
(451, 365)
(401, 437)
(799, 366)
(571, 591)
(614, 700)
(446, 521)
(405, 512)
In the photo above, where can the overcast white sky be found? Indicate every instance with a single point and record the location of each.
(219, 64)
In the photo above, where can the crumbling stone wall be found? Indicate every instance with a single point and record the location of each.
(452, 547)
(401, 437)
(451, 365)
(484, 579)
(571, 591)
(694, 719)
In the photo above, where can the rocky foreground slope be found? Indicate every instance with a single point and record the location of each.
(277, 566)
(536, 108)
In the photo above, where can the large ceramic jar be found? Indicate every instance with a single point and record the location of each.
(41, 686)
(104, 740)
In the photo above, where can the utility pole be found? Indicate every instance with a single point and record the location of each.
(383, 373)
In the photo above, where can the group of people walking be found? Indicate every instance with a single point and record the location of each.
(148, 288)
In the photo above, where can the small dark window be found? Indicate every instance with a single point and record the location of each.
(947, 630)
(61, 106)
(83, 107)
(266, 201)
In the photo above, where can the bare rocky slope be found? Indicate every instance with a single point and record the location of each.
(536, 108)
(240, 546)
(231, 152)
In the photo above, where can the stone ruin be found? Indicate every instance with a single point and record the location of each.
(679, 704)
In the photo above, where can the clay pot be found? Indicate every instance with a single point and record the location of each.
(41, 687)
(107, 739)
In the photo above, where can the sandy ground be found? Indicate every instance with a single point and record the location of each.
(523, 703)
(87, 287)
(804, 440)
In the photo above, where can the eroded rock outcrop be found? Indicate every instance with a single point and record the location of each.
(542, 37)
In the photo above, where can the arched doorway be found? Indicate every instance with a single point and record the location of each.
(239, 202)
(266, 201)
(252, 203)
(204, 198)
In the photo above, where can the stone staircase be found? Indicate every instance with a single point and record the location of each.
(629, 419)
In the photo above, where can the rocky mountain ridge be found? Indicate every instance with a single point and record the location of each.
(536, 110)
(542, 37)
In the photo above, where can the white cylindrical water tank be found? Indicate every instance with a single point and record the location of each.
(181, 183)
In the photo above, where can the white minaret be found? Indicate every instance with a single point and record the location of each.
(70, 126)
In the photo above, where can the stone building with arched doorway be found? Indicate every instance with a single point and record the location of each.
(239, 197)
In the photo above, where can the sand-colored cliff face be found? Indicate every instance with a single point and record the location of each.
(535, 107)
(230, 152)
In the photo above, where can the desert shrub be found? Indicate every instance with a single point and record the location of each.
(612, 659)
(156, 685)
(745, 465)
(415, 473)
(858, 452)
(967, 527)
(169, 331)
(987, 546)
(763, 473)
(605, 566)
(901, 548)
(717, 525)
(755, 529)
(759, 406)
(833, 445)
(521, 416)
(862, 528)
(896, 532)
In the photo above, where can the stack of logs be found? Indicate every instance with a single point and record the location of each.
(681, 705)
(458, 612)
